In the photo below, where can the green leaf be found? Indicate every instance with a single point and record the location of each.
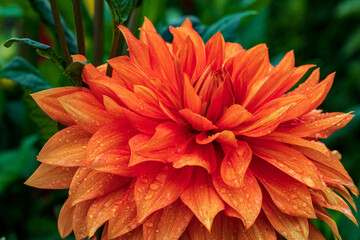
(11, 11)
(21, 71)
(41, 49)
(120, 10)
(13, 162)
(42, 7)
(227, 26)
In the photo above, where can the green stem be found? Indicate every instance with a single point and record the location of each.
(99, 32)
(114, 45)
(80, 36)
(60, 32)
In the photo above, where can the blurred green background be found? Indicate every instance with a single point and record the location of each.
(325, 33)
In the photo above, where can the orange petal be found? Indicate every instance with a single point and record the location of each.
(79, 219)
(341, 190)
(100, 210)
(215, 51)
(197, 121)
(136, 143)
(226, 137)
(147, 26)
(314, 233)
(78, 178)
(223, 228)
(65, 219)
(168, 223)
(185, 61)
(196, 155)
(298, 141)
(246, 200)
(191, 100)
(97, 184)
(260, 230)
(112, 136)
(51, 177)
(139, 52)
(117, 162)
(201, 197)
(66, 148)
(136, 234)
(232, 49)
(159, 189)
(48, 102)
(288, 160)
(235, 163)
(233, 117)
(168, 139)
(282, 187)
(85, 110)
(322, 215)
(123, 218)
(292, 228)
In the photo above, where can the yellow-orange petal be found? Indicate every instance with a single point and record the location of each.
(260, 230)
(233, 117)
(65, 219)
(66, 148)
(51, 177)
(282, 187)
(112, 136)
(290, 227)
(159, 189)
(97, 184)
(85, 110)
(99, 211)
(201, 197)
(79, 219)
(123, 217)
(47, 100)
(288, 160)
(235, 164)
(246, 200)
(168, 223)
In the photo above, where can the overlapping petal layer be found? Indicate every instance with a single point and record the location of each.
(194, 141)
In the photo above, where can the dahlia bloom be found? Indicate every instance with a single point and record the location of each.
(189, 140)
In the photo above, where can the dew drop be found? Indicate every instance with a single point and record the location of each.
(308, 182)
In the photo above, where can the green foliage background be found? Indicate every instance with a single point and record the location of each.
(325, 33)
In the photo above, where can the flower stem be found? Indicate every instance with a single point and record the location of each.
(98, 32)
(60, 32)
(114, 45)
(80, 37)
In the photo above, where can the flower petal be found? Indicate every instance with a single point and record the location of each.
(79, 219)
(97, 184)
(48, 102)
(201, 197)
(111, 136)
(288, 160)
(85, 110)
(191, 100)
(246, 200)
(292, 228)
(66, 148)
(260, 230)
(233, 117)
(323, 215)
(197, 121)
(235, 163)
(123, 218)
(168, 223)
(282, 187)
(215, 50)
(65, 219)
(51, 177)
(314, 233)
(99, 211)
(159, 189)
(196, 155)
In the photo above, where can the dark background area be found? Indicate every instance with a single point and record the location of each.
(325, 33)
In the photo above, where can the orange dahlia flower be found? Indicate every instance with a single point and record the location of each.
(189, 140)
